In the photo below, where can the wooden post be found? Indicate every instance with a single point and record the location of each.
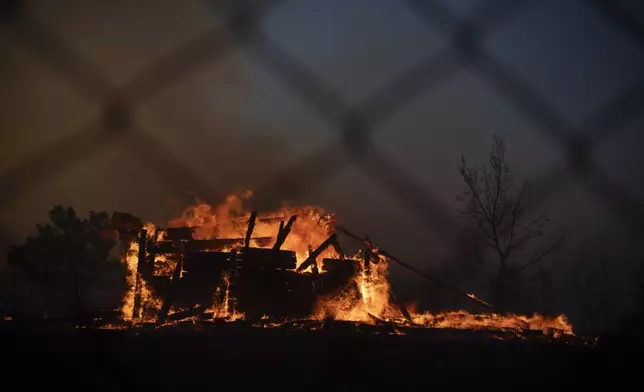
(169, 296)
(251, 227)
(279, 231)
(368, 255)
(283, 233)
(152, 252)
(232, 289)
(192, 312)
(316, 273)
(139, 265)
(152, 247)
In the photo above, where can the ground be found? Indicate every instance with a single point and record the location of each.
(339, 358)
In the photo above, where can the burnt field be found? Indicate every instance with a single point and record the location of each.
(336, 356)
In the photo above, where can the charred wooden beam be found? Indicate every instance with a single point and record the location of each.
(284, 232)
(221, 294)
(195, 311)
(205, 263)
(318, 284)
(368, 256)
(179, 233)
(315, 272)
(152, 251)
(167, 301)
(206, 316)
(139, 266)
(205, 245)
(251, 227)
(253, 258)
(279, 231)
(233, 282)
(433, 280)
(411, 268)
(376, 319)
(313, 256)
(374, 259)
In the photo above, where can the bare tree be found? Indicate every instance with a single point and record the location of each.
(496, 206)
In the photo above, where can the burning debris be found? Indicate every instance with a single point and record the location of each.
(228, 264)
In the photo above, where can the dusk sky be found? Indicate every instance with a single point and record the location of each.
(234, 125)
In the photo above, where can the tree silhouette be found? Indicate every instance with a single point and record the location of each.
(496, 206)
(64, 261)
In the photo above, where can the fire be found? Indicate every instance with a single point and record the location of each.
(148, 299)
(163, 265)
(131, 260)
(229, 220)
(368, 298)
(374, 300)
(225, 308)
(465, 320)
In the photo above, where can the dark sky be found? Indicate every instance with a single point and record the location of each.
(232, 124)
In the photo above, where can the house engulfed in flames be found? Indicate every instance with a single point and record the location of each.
(226, 263)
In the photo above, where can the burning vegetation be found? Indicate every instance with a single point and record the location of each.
(226, 263)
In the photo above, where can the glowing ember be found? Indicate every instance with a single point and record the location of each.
(366, 299)
(465, 320)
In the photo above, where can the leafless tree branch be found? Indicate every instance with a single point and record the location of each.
(540, 256)
(496, 208)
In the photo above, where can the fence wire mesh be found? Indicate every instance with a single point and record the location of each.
(355, 124)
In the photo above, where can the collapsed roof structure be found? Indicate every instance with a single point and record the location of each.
(211, 269)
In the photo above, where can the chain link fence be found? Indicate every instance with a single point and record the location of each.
(355, 124)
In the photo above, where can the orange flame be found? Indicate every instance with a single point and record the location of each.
(367, 300)
(223, 309)
(229, 220)
(148, 299)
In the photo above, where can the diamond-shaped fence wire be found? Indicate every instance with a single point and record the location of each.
(355, 124)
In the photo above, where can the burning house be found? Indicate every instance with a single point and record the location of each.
(226, 263)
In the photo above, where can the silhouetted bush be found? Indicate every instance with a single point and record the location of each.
(65, 268)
